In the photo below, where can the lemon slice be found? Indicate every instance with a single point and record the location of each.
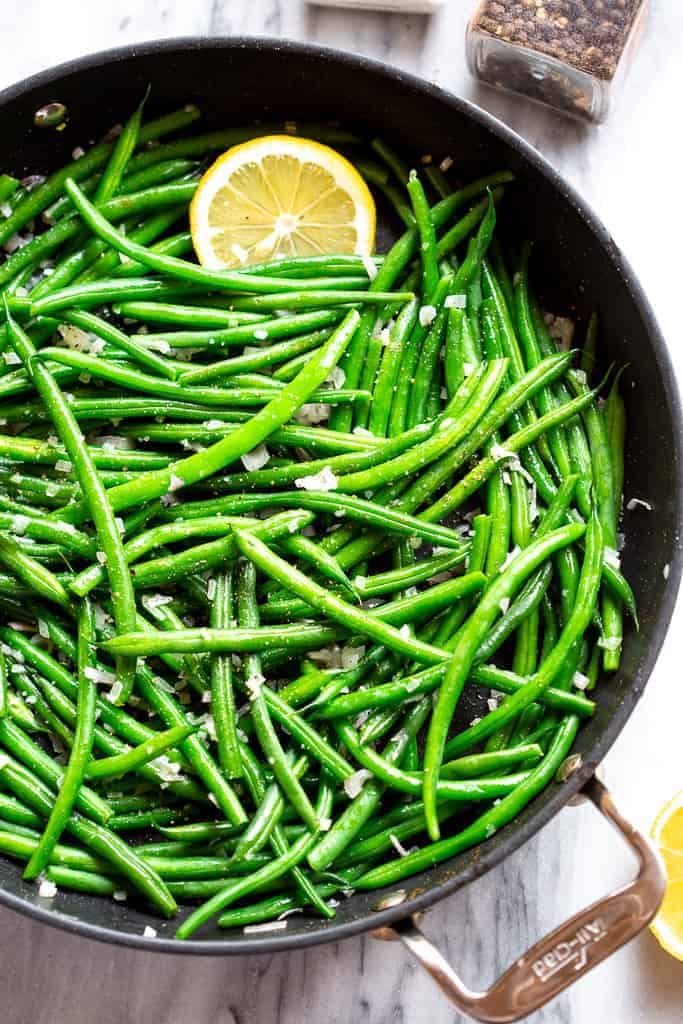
(280, 196)
(667, 832)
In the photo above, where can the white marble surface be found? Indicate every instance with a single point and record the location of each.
(630, 171)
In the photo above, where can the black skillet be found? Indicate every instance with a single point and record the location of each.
(236, 81)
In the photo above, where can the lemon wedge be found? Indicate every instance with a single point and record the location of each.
(280, 196)
(667, 832)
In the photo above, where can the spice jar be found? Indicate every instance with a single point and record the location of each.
(399, 6)
(564, 53)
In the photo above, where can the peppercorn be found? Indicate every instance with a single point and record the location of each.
(585, 36)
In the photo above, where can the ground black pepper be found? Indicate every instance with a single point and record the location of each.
(589, 36)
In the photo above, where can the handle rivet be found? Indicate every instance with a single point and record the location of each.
(394, 899)
(568, 767)
(52, 115)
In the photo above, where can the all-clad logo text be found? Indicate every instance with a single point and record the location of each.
(570, 954)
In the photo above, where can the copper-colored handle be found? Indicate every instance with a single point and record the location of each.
(565, 954)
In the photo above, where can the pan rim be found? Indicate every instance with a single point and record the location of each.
(516, 837)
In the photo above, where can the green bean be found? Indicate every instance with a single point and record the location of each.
(192, 748)
(102, 290)
(203, 557)
(607, 509)
(351, 461)
(449, 433)
(279, 841)
(248, 436)
(307, 636)
(333, 606)
(399, 579)
(124, 147)
(588, 358)
(396, 261)
(8, 187)
(83, 881)
(36, 576)
(427, 234)
(278, 329)
(327, 565)
(317, 266)
(119, 764)
(91, 485)
(13, 812)
(234, 890)
(502, 589)
(268, 814)
(167, 533)
(512, 399)
(253, 360)
(157, 174)
(136, 821)
(89, 322)
(390, 363)
(4, 702)
(615, 423)
(60, 690)
(361, 509)
(22, 844)
(29, 753)
(248, 616)
(21, 524)
(222, 695)
(454, 360)
(315, 439)
(498, 510)
(41, 197)
(488, 465)
(101, 840)
(486, 825)
(272, 909)
(462, 228)
(43, 245)
(75, 771)
(573, 629)
(462, 790)
(363, 806)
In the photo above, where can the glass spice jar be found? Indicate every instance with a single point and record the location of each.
(567, 54)
(398, 6)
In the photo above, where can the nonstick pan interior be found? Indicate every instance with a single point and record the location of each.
(578, 269)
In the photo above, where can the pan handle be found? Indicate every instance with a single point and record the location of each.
(568, 952)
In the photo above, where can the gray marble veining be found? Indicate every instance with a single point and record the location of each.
(629, 170)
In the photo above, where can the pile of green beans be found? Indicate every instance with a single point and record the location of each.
(300, 562)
